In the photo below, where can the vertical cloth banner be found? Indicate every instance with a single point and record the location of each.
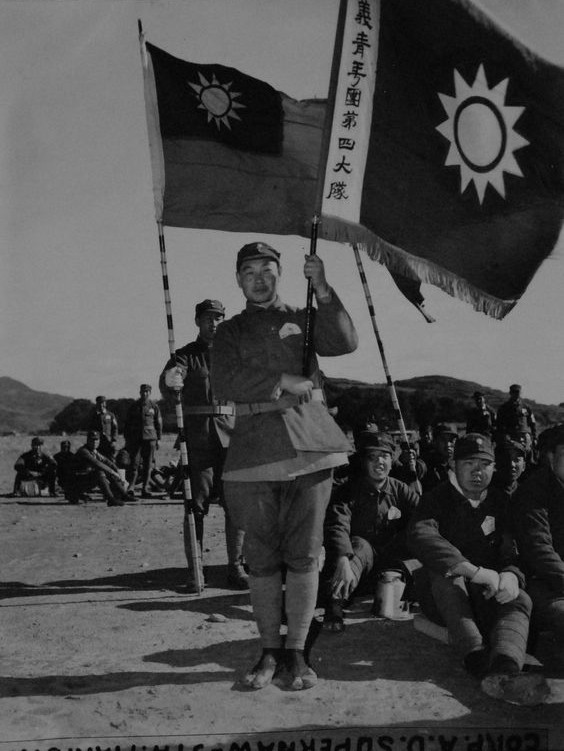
(446, 159)
(229, 152)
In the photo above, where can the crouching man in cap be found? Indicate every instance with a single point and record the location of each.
(92, 469)
(460, 533)
(538, 508)
(277, 474)
(365, 526)
(36, 467)
(208, 426)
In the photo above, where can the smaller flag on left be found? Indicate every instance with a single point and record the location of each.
(228, 151)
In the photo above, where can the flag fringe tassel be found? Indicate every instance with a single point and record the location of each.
(402, 262)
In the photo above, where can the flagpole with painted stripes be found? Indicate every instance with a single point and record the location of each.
(389, 381)
(157, 165)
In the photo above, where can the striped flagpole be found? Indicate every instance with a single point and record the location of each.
(390, 383)
(195, 551)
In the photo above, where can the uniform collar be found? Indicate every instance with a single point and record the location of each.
(276, 304)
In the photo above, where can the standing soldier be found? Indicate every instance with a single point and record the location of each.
(481, 418)
(516, 419)
(104, 422)
(142, 433)
(278, 469)
(208, 426)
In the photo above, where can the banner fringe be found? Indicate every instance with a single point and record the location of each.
(420, 269)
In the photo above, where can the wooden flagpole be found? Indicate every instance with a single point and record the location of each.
(390, 383)
(195, 552)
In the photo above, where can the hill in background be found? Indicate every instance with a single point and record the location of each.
(426, 398)
(23, 410)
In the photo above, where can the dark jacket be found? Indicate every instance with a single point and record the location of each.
(88, 461)
(514, 416)
(202, 431)
(30, 462)
(105, 423)
(446, 530)
(249, 354)
(358, 510)
(481, 421)
(143, 423)
(538, 517)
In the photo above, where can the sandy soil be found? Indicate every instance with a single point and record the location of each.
(100, 648)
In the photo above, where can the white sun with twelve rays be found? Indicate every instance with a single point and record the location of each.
(218, 100)
(481, 135)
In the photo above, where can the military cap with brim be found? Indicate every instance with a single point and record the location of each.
(368, 440)
(476, 394)
(257, 250)
(100, 399)
(511, 447)
(214, 306)
(443, 428)
(37, 441)
(515, 387)
(473, 444)
(145, 387)
(93, 434)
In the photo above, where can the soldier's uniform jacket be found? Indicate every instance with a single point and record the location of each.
(538, 512)
(514, 416)
(481, 421)
(88, 460)
(104, 423)
(30, 462)
(201, 430)
(378, 516)
(447, 530)
(143, 422)
(249, 354)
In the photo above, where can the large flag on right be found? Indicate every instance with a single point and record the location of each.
(446, 157)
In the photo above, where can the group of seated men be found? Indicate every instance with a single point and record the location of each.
(481, 550)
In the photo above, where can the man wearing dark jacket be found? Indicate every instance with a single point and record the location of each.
(538, 510)
(460, 533)
(365, 526)
(142, 432)
(208, 426)
(93, 469)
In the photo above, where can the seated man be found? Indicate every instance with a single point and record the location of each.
(538, 514)
(438, 461)
(365, 526)
(92, 469)
(36, 467)
(65, 459)
(459, 533)
(509, 466)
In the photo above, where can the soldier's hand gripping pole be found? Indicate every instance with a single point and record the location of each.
(310, 310)
(195, 552)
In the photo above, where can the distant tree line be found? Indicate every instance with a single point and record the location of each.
(354, 406)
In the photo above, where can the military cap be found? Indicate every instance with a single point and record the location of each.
(212, 305)
(476, 394)
(145, 387)
(100, 399)
(65, 443)
(370, 439)
(37, 441)
(252, 251)
(93, 434)
(509, 446)
(515, 387)
(473, 444)
(443, 428)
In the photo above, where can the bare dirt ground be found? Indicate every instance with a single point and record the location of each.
(100, 648)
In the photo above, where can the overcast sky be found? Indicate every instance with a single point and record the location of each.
(81, 303)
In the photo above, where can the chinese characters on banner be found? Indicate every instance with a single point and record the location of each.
(350, 130)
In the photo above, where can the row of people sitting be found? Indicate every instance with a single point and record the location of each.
(472, 553)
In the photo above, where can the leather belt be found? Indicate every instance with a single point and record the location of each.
(208, 409)
(285, 402)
